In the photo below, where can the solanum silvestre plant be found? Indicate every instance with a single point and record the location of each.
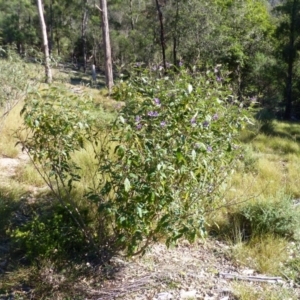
(173, 144)
(160, 163)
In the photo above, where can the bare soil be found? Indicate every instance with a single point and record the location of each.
(183, 272)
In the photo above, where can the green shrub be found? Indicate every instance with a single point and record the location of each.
(160, 163)
(269, 217)
(50, 234)
(248, 160)
(173, 142)
(10, 196)
(57, 124)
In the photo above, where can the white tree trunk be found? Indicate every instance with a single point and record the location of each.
(107, 48)
(45, 42)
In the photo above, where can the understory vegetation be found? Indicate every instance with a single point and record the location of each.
(176, 129)
(163, 160)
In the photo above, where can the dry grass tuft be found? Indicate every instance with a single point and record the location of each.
(248, 291)
(27, 174)
(265, 254)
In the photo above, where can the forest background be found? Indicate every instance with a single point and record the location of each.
(257, 41)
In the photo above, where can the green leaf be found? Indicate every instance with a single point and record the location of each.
(139, 212)
(127, 185)
(122, 120)
(194, 154)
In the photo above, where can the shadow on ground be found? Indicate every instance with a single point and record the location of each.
(43, 253)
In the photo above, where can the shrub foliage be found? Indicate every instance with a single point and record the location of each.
(160, 163)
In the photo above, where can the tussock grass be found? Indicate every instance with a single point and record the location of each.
(266, 254)
(279, 145)
(293, 175)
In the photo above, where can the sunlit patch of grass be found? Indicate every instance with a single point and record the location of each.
(100, 98)
(275, 144)
(27, 174)
(248, 291)
(265, 254)
(283, 146)
(262, 183)
(89, 167)
(108, 104)
(86, 161)
(293, 175)
(11, 123)
(290, 129)
(260, 143)
(269, 179)
(11, 189)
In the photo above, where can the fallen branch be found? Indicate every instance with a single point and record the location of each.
(252, 278)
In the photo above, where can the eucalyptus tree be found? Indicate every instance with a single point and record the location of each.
(288, 33)
(107, 47)
(48, 71)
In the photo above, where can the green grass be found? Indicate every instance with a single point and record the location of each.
(265, 254)
(269, 163)
(8, 130)
(28, 175)
(248, 291)
(267, 179)
(10, 195)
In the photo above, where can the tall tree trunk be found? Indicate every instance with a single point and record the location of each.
(19, 43)
(51, 28)
(131, 15)
(107, 48)
(83, 33)
(45, 42)
(162, 35)
(291, 60)
(175, 36)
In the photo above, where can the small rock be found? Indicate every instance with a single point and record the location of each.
(248, 272)
(164, 296)
(209, 298)
(188, 294)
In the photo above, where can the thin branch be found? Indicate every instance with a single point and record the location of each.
(98, 7)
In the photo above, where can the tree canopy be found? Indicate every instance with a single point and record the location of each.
(256, 40)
